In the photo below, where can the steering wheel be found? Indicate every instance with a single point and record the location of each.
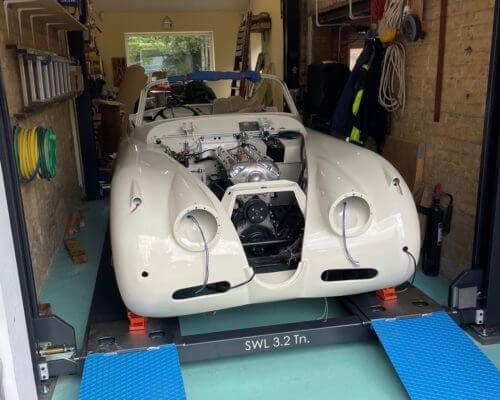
(164, 116)
(160, 112)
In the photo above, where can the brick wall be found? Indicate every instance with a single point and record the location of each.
(46, 204)
(323, 41)
(454, 144)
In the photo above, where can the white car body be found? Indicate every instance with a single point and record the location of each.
(358, 216)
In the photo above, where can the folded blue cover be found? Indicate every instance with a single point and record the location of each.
(215, 76)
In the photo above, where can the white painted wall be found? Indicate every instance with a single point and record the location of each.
(16, 379)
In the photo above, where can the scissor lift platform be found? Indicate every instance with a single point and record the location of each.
(410, 325)
(109, 332)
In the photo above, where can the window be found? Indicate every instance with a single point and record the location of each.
(354, 53)
(173, 53)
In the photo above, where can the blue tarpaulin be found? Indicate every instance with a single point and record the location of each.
(215, 76)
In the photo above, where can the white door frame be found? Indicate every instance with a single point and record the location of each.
(16, 367)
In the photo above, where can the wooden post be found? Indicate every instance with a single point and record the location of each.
(440, 64)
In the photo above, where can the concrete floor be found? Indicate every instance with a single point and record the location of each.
(350, 371)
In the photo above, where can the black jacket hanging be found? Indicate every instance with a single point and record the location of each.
(358, 113)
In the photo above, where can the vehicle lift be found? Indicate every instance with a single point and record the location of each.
(474, 297)
(406, 321)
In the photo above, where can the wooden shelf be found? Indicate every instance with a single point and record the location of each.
(58, 14)
(338, 12)
(336, 5)
(261, 23)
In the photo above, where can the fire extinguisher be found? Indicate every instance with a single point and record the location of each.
(438, 225)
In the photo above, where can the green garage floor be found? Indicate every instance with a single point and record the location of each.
(350, 371)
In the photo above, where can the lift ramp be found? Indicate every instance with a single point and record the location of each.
(150, 374)
(436, 359)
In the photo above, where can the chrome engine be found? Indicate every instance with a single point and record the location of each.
(247, 165)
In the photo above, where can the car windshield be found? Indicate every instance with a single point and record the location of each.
(194, 95)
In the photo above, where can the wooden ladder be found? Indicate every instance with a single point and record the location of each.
(241, 58)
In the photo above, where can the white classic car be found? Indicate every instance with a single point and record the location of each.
(213, 209)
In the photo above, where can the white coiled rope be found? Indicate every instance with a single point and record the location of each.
(392, 90)
(393, 13)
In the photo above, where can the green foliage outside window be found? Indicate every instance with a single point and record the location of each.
(173, 53)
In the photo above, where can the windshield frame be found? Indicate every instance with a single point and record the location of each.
(139, 116)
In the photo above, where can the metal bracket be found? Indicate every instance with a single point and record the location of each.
(479, 317)
(43, 369)
(51, 10)
(32, 23)
(56, 332)
(465, 290)
(47, 30)
(20, 22)
(6, 4)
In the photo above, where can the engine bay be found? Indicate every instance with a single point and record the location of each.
(270, 225)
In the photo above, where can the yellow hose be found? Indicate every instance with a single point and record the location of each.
(35, 153)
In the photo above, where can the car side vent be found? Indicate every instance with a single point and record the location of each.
(198, 291)
(334, 275)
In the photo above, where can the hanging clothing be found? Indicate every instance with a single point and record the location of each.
(358, 113)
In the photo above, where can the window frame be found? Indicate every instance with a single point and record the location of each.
(126, 35)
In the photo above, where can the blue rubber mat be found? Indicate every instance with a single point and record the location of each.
(153, 374)
(435, 359)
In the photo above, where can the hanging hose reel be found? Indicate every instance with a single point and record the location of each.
(412, 28)
(35, 152)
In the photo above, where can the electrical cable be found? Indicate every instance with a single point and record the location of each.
(227, 289)
(412, 280)
(326, 311)
(207, 262)
(344, 238)
(392, 89)
(244, 283)
(405, 249)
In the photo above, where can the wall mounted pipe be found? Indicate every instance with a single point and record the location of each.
(320, 25)
(354, 17)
